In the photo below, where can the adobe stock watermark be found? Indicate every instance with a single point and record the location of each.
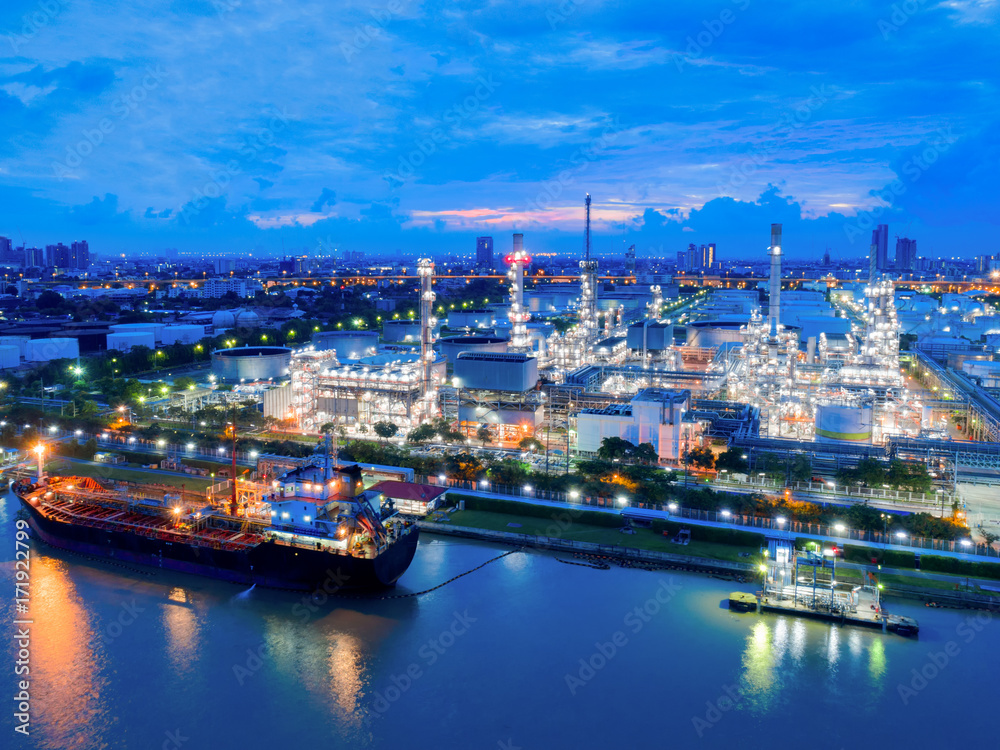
(304, 609)
(122, 107)
(901, 13)
(713, 29)
(429, 654)
(938, 661)
(558, 15)
(220, 178)
(34, 23)
(366, 33)
(634, 621)
(128, 613)
(580, 159)
(913, 169)
(717, 708)
(761, 154)
(452, 118)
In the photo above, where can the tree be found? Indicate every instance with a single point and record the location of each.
(732, 461)
(531, 444)
(646, 453)
(49, 300)
(422, 433)
(484, 435)
(184, 383)
(615, 447)
(801, 468)
(385, 430)
(702, 457)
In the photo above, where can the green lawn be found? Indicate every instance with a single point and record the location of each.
(643, 538)
(193, 484)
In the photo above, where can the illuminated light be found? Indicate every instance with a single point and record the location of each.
(672, 507)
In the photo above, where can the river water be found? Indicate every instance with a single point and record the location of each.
(525, 653)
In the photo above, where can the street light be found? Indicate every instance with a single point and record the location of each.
(672, 507)
(840, 528)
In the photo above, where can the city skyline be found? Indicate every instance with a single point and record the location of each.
(397, 126)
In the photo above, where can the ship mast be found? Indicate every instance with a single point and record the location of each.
(232, 502)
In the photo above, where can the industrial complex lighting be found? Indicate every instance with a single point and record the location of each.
(840, 527)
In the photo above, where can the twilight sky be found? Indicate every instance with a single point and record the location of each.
(238, 125)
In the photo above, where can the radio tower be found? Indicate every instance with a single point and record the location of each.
(588, 286)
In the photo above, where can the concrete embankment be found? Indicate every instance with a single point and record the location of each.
(614, 552)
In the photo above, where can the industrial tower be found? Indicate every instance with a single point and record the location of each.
(519, 315)
(588, 287)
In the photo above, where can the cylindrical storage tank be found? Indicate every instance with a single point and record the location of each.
(124, 340)
(182, 334)
(851, 423)
(470, 319)
(713, 333)
(251, 363)
(10, 356)
(658, 336)
(452, 346)
(21, 342)
(401, 330)
(156, 328)
(45, 350)
(348, 345)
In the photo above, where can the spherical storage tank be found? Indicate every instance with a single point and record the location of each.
(10, 356)
(122, 341)
(452, 346)
(182, 334)
(242, 318)
(850, 423)
(251, 363)
(713, 333)
(349, 345)
(45, 350)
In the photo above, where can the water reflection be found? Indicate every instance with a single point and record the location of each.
(183, 631)
(63, 667)
(779, 652)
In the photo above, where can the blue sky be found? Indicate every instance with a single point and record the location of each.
(243, 125)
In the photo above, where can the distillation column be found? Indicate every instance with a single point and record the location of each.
(588, 287)
(519, 315)
(425, 269)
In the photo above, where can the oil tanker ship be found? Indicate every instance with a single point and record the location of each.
(316, 528)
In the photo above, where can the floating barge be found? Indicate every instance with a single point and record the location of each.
(804, 584)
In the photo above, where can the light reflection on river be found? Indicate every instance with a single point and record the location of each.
(499, 656)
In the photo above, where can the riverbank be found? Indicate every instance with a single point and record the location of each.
(647, 549)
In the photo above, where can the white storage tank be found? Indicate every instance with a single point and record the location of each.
(45, 350)
(21, 342)
(401, 330)
(155, 328)
(470, 319)
(348, 345)
(851, 423)
(452, 346)
(123, 341)
(10, 356)
(713, 333)
(182, 334)
(251, 363)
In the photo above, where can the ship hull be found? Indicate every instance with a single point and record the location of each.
(268, 564)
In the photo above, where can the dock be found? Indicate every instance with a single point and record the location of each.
(804, 584)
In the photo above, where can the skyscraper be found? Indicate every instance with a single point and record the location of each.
(57, 256)
(79, 256)
(880, 241)
(708, 255)
(693, 257)
(906, 254)
(484, 253)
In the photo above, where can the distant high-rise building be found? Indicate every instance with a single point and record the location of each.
(826, 257)
(708, 255)
(906, 255)
(484, 253)
(57, 256)
(79, 255)
(6, 249)
(681, 260)
(880, 241)
(34, 257)
(693, 257)
(630, 259)
(225, 265)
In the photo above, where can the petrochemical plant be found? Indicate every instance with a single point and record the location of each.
(814, 369)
